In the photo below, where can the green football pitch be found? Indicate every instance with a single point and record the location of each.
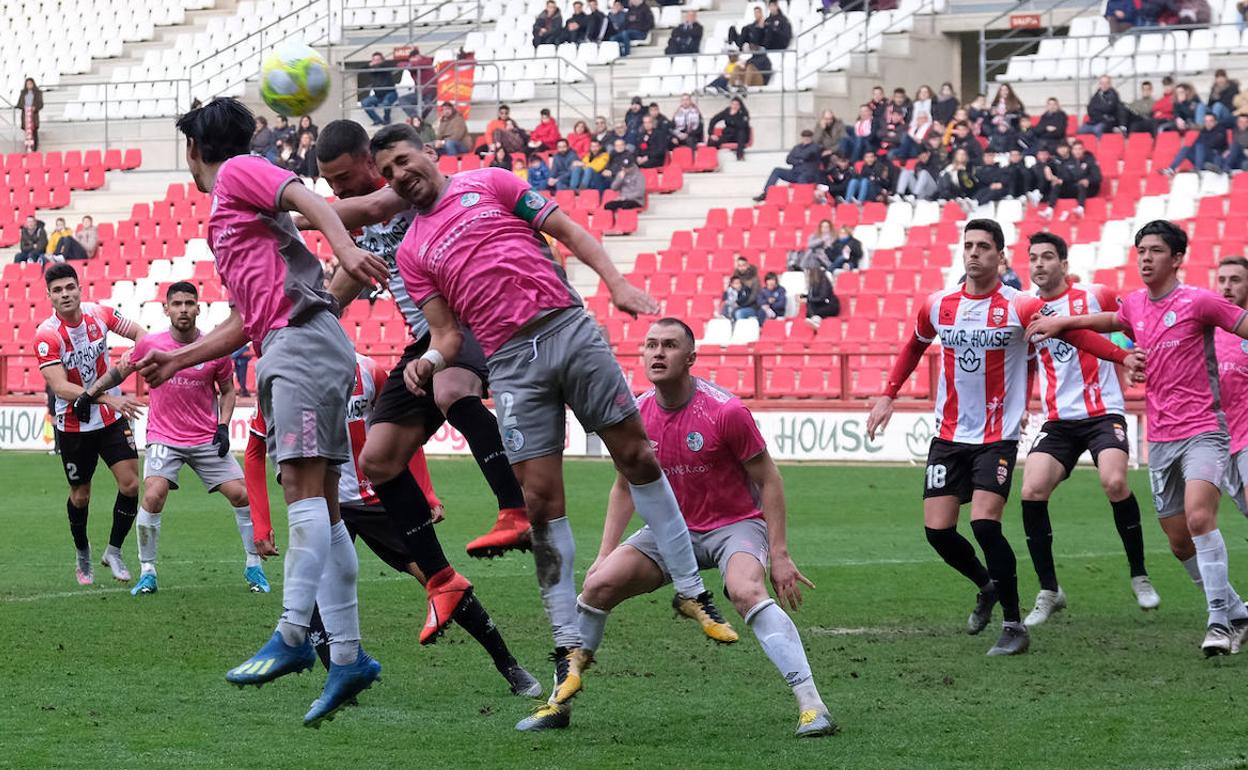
(95, 678)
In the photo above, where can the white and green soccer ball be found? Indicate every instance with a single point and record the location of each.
(294, 79)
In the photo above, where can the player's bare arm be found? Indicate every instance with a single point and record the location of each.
(1042, 328)
(58, 380)
(159, 365)
(445, 339)
(362, 210)
(903, 367)
(360, 264)
(619, 512)
(624, 295)
(785, 576)
(345, 288)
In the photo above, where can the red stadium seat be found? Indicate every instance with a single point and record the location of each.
(625, 222)
(132, 159)
(706, 159)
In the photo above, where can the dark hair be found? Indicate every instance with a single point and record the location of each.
(221, 129)
(181, 287)
(58, 271)
(392, 135)
(262, 121)
(1219, 73)
(1172, 234)
(991, 227)
(1148, 83)
(1236, 261)
(684, 327)
(1167, 81)
(341, 137)
(1050, 239)
(770, 276)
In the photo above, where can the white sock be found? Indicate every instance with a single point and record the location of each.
(1193, 571)
(656, 505)
(306, 553)
(148, 525)
(242, 517)
(336, 597)
(1211, 555)
(592, 623)
(554, 553)
(779, 638)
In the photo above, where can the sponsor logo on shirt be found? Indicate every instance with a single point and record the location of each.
(1062, 351)
(469, 199)
(695, 442)
(1169, 318)
(976, 338)
(968, 361)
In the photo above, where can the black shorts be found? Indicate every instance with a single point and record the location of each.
(958, 470)
(395, 403)
(1067, 440)
(81, 451)
(372, 524)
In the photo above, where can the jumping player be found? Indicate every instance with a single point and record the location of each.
(1233, 377)
(980, 400)
(1189, 448)
(475, 253)
(1084, 412)
(365, 517)
(304, 376)
(402, 421)
(71, 347)
(188, 422)
(732, 496)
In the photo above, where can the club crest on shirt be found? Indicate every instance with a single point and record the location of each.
(1062, 351)
(695, 442)
(1120, 432)
(1169, 318)
(1076, 306)
(1243, 346)
(469, 199)
(43, 348)
(199, 367)
(513, 440)
(1002, 473)
(998, 316)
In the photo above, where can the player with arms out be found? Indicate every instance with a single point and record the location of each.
(1188, 445)
(980, 399)
(71, 347)
(475, 253)
(403, 421)
(1233, 377)
(365, 518)
(1084, 411)
(188, 423)
(732, 496)
(304, 376)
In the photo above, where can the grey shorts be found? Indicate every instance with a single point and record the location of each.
(1236, 477)
(165, 461)
(563, 361)
(711, 549)
(1171, 464)
(303, 379)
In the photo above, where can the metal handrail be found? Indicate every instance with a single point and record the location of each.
(64, 95)
(864, 39)
(288, 33)
(1021, 36)
(412, 21)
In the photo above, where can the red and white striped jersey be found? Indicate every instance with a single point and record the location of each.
(982, 391)
(1074, 384)
(354, 488)
(83, 351)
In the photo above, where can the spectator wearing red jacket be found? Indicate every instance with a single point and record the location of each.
(546, 135)
(578, 140)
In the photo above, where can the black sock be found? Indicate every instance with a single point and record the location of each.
(472, 617)
(318, 636)
(1001, 565)
(1040, 540)
(125, 508)
(78, 525)
(409, 510)
(958, 553)
(470, 417)
(1127, 520)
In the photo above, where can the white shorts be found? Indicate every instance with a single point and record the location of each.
(165, 461)
(1171, 464)
(713, 548)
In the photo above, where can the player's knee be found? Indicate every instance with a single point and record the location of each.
(637, 463)
(543, 504)
(746, 595)
(601, 591)
(1115, 487)
(378, 466)
(153, 503)
(128, 487)
(1033, 491)
(80, 496)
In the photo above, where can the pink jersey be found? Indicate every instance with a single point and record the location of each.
(982, 391)
(1233, 384)
(703, 447)
(83, 351)
(270, 274)
(479, 248)
(182, 412)
(354, 488)
(1074, 384)
(1176, 331)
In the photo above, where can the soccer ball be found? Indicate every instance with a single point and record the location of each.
(294, 79)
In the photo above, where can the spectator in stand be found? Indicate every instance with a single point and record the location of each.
(992, 182)
(803, 160)
(946, 104)
(1237, 150)
(1051, 125)
(686, 37)
(574, 27)
(756, 71)
(500, 158)
(830, 135)
(862, 139)
(961, 115)
(638, 22)
(1194, 12)
(63, 244)
(923, 101)
(1080, 175)
(1139, 112)
(33, 244)
(837, 174)
(896, 120)
(817, 245)
(619, 132)
(538, 174)
(285, 155)
(284, 131)
(1003, 139)
(304, 161)
(30, 98)
(561, 164)
(630, 185)
(546, 135)
(878, 104)
(1122, 15)
(1006, 108)
(1221, 100)
(652, 145)
(978, 114)
(1043, 184)
(621, 153)
(964, 140)
(597, 26)
(632, 120)
(920, 182)
(845, 252)
(877, 179)
(602, 132)
(1028, 137)
(499, 122)
(587, 172)
(773, 300)
(914, 139)
(1104, 109)
(423, 76)
(957, 181)
(744, 299)
(241, 357)
(1206, 151)
(1163, 108)
(59, 231)
(548, 28)
(451, 134)
(736, 121)
(510, 138)
(1005, 271)
(1019, 174)
(821, 300)
(88, 238)
(580, 137)
(729, 300)
(617, 22)
(425, 131)
(376, 88)
(262, 140)
(721, 84)
(686, 128)
(1241, 10)
(777, 33)
(754, 34)
(306, 126)
(1186, 105)
(661, 121)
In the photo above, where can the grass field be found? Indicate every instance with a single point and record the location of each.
(94, 678)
